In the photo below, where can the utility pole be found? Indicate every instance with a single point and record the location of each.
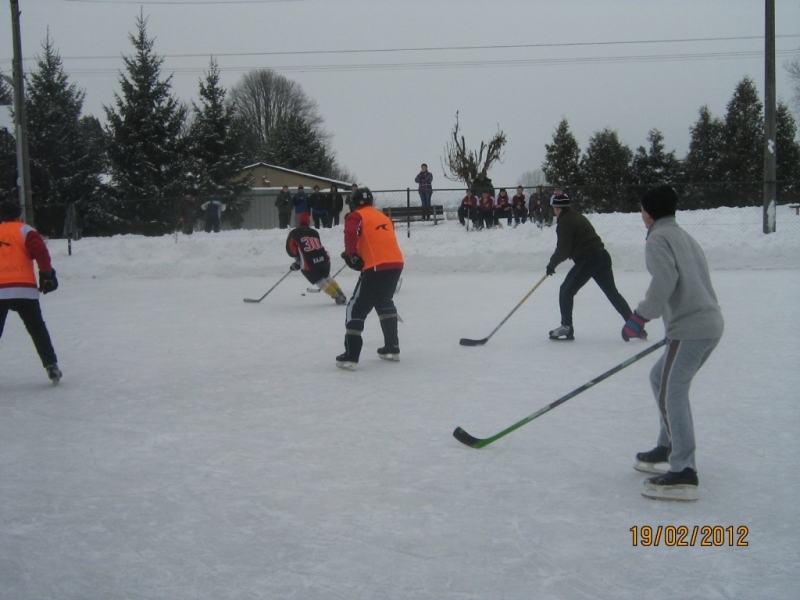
(770, 149)
(23, 164)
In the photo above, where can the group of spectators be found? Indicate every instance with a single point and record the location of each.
(323, 208)
(484, 211)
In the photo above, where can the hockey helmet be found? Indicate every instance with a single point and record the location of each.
(303, 220)
(362, 197)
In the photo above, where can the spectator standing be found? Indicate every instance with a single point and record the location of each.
(425, 181)
(283, 202)
(578, 241)
(316, 202)
(186, 214)
(518, 206)
(370, 246)
(20, 246)
(503, 208)
(300, 202)
(213, 209)
(482, 184)
(680, 291)
(334, 204)
(468, 210)
(486, 207)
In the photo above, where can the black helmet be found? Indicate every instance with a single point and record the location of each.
(362, 197)
(11, 211)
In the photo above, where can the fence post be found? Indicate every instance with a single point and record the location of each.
(408, 212)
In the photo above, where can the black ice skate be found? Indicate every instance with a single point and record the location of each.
(563, 333)
(54, 373)
(672, 486)
(389, 353)
(646, 461)
(345, 362)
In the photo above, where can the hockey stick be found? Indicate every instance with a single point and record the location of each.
(469, 342)
(317, 290)
(465, 438)
(269, 290)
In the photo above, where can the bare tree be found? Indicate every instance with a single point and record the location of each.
(264, 98)
(533, 178)
(792, 67)
(465, 165)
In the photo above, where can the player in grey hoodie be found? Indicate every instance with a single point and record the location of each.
(680, 291)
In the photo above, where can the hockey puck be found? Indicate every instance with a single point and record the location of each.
(302, 294)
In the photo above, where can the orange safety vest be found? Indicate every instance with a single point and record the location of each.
(377, 244)
(16, 265)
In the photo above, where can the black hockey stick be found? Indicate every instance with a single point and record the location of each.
(317, 290)
(469, 342)
(465, 438)
(269, 290)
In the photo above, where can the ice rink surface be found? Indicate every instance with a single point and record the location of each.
(202, 447)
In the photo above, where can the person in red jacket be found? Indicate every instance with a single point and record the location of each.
(20, 246)
(502, 208)
(468, 209)
(370, 246)
(311, 258)
(486, 207)
(518, 204)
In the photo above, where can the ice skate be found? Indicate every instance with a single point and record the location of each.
(389, 353)
(680, 487)
(646, 461)
(340, 299)
(563, 333)
(54, 373)
(345, 362)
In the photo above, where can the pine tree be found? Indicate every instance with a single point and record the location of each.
(8, 166)
(742, 155)
(63, 167)
(653, 166)
(606, 168)
(787, 155)
(146, 152)
(702, 163)
(561, 165)
(6, 93)
(215, 158)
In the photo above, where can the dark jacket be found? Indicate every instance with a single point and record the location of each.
(334, 202)
(317, 203)
(577, 238)
(283, 202)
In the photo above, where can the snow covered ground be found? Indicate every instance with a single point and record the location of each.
(202, 447)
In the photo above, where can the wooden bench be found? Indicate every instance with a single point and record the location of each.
(399, 214)
(796, 208)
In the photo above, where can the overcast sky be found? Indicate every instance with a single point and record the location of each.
(389, 75)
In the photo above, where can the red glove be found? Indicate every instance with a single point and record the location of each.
(634, 327)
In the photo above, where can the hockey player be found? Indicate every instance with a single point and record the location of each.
(503, 208)
(313, 261)
(370, 246)
(468, 210)
(518, 203)
(486, 208)
(680, 291)
(20, 246)
(578, 240)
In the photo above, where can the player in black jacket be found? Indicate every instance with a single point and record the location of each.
(303, 243)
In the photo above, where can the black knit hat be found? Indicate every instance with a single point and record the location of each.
(559, 200)
(9, 211)
(660, 201)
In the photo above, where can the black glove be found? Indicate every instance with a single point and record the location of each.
(295, 266)
(550, 270)
(355, 262)
(47, 281)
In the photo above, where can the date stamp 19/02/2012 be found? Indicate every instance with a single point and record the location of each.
(695, 535)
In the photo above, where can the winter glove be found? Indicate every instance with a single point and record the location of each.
(355, 262)
(634, 327)
(47, 281)
(550, 270)
(295, 266)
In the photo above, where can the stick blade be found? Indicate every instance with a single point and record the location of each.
(466, 439)
(469, 342)
(252, 300)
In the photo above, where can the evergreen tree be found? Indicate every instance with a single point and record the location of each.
(606, 168)
(742, 156)
(8, 166)
(654, 166)
(702, 163)
(561, 165)
(294, 144)
(787, 155)
(63, 168)
(215, 159)
(146, 151)
(6, 93)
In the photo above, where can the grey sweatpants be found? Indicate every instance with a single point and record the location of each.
(670, 379)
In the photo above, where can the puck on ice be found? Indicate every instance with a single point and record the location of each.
(302, 294)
